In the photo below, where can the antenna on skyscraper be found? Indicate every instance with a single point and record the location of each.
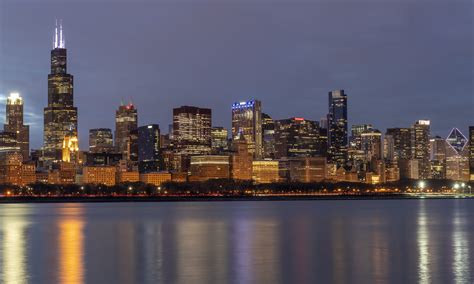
(55, 39)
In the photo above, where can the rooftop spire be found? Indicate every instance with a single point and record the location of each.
(59, 41)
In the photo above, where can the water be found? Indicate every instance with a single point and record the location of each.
(395, 241)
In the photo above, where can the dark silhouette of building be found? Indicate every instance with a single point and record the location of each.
(337, 128)
(149, 156)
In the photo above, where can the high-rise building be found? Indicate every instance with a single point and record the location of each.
(471, 153)
(268, 139)
(296, 137)
(337, 128)
(192, 130)
(8, 142)
(101, 140)
(371, 144)
(14, 124)
(247, 120)
(401, 143)
(149, 156)
(60, 116)
(126, 121)
(421, 147)
(457, 156)
(438, 157)
(356, 131)
(219, 140)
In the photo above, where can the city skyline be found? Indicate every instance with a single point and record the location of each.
(155, 105)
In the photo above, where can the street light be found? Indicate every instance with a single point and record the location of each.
(421, 184)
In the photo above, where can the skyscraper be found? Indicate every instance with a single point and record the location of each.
(401, 143)
(337, 128)
(371, 144)
(421, 147)
(14, 124)
(296, 137)
(268, 139)
(60, 116)
(438, 157)
(101, 140)
(149, 158)
(192, 130)
(247, 120)
(457, 156)
(126, 121)
(356, 131)
(219, 140)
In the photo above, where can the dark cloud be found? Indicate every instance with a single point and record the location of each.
(399, 61)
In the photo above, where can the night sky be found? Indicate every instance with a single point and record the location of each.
(398, 61)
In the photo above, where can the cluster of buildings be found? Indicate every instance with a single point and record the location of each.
(257, 147)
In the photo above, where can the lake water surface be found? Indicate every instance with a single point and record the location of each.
(373, 241)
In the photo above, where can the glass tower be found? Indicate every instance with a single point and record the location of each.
(337, 124)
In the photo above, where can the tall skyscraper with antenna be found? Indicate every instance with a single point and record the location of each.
(60, 116)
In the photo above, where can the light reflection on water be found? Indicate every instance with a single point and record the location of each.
(405, 241)
(14, 244)
(71, 244)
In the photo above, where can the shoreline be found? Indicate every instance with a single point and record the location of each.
(112, 199)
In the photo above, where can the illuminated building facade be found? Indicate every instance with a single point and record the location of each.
(62, 173)
(101, 140)
(192, 130)
(149, 152)
(70, 149)
(400, 145)
(219, 140)
(265, 171)
(156, 179)
(421, 147)
(241, 163)
(60, 116)
(337, 128)
(308, 169)
(99, 175)
(132, 176)
(247, 119)
(11, 167)
(208, 167)
(296, 137)
(457, 156)
(371, 144)
(126, 121)
(356, 131)
(438, 157)
(8, 142)
(14, 124)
